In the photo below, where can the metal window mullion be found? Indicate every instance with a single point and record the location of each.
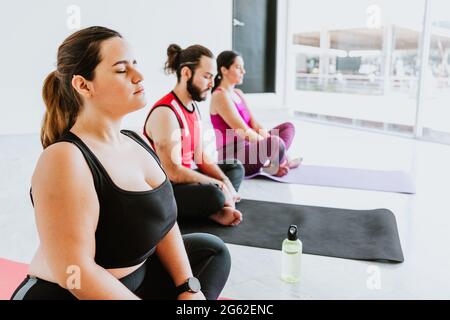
(424, 59)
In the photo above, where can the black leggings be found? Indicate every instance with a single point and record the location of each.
(199, 201)
(210, 262)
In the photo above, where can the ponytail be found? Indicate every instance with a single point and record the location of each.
(224, 59)
(173, 59)
(178, 58)
(217, 81)
(61, 110)
(62, 102)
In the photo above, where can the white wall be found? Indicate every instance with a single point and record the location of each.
(32, 31)
(345, 14)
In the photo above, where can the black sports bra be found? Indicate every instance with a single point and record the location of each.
(131, 223)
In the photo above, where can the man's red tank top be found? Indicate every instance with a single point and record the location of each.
(189, 121)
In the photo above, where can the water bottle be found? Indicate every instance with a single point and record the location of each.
(291, 252)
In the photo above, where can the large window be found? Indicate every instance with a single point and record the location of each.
(356, 62)
(435, 101)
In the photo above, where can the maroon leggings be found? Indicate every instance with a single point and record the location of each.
(254, 155)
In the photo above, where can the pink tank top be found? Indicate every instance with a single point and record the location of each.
(227, 135)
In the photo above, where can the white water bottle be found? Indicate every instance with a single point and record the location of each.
(291, 252)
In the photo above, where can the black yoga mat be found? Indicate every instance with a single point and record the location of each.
(350, 234)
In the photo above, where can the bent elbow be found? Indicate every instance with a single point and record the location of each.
(174, 173)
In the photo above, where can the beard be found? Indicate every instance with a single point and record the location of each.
(194, 91)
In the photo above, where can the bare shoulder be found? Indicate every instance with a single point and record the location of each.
(219, 95)
(239, 91)
(59, 162)
(162, 125)
(64, 195)
(164, 115)
(61, 153)
(220, 100)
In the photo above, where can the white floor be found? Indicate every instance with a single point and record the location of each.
(423, 219)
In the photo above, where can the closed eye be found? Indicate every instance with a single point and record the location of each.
(124, 63)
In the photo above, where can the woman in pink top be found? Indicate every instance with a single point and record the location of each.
(238, 134)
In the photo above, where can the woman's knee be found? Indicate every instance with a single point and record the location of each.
(210, 261)
(290, 126)
(210, 241)
(277, 148)
(211, 244)
(275, 143)
(286, 127)
(221, 253)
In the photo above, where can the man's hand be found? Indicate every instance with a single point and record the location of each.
(233, 193)
(229, 201)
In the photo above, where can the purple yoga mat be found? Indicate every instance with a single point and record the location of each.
(376, 180)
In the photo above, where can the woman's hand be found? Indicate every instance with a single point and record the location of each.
(253, 136)
(262, 132)
(191, 296)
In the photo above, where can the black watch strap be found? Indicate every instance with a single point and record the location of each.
(192, 285)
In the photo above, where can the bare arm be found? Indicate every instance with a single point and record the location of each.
(67, 210)
(164, 129)
(254, 124)
(224, 106)
(208, 167)
(172, 253)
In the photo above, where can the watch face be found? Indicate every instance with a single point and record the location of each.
(194, 285)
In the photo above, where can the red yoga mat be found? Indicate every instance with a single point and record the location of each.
(11, 275)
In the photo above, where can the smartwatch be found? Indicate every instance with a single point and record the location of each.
(192, 285)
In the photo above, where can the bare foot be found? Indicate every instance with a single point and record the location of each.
(295, 163)
(228, 216)
(277, 171)
(282, 170)
(271, 169)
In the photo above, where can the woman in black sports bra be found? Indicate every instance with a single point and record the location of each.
(105, 210)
